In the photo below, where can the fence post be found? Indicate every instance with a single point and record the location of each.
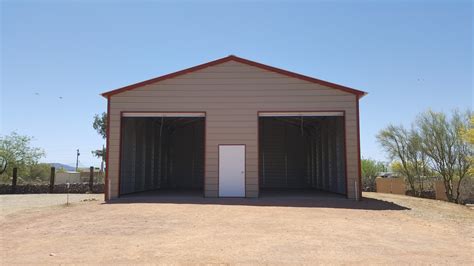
(51, 179)
(91, 178)
(14, 179)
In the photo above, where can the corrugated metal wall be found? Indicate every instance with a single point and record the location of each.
(232, 94)
(186, 164)
(161, 153)
(302, 152)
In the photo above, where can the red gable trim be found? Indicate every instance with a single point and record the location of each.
(243, 61)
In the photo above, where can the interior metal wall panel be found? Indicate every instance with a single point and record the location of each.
(159, 153)
(302, 152)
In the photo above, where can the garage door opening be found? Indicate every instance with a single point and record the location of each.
(162, 154)
(302, 153)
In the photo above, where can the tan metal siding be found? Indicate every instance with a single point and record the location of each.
(232, 93)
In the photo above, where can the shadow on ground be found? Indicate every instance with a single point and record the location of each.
(267, 199)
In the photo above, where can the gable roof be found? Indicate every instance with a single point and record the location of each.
(359, 93)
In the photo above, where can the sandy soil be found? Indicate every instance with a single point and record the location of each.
(20, 202)
(382, 229)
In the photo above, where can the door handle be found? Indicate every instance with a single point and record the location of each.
(242, 172)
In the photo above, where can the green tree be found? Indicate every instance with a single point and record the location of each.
(370, 170)
(100, 125)
(468, 135)
(404, 146)
(437, 143)
(450, 153)
(19, 152)
(40, 170)
(421, 177)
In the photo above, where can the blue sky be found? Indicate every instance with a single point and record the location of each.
(409, 56)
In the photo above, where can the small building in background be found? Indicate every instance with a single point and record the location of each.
(387, 175)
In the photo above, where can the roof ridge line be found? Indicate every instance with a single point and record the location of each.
(356, 92)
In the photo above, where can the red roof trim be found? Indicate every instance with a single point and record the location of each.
(243, 61)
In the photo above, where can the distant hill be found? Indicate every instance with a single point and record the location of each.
(63, 166)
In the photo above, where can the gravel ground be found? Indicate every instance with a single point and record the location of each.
(382, 229)
(10, 204)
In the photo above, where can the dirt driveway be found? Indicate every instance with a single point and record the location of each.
(21, 202)
(382, 229)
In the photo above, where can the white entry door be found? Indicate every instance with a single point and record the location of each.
(231, 170)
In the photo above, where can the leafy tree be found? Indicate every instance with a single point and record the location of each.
(468, 135)
(370, 170)
(19, 152)
(425, 175)
(436, 144)
(100, 125)
(449, 152)
(100, 153)
(468, 132)
(40, 170)
(404, 146)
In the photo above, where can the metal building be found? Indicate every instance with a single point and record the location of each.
(233, 128)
